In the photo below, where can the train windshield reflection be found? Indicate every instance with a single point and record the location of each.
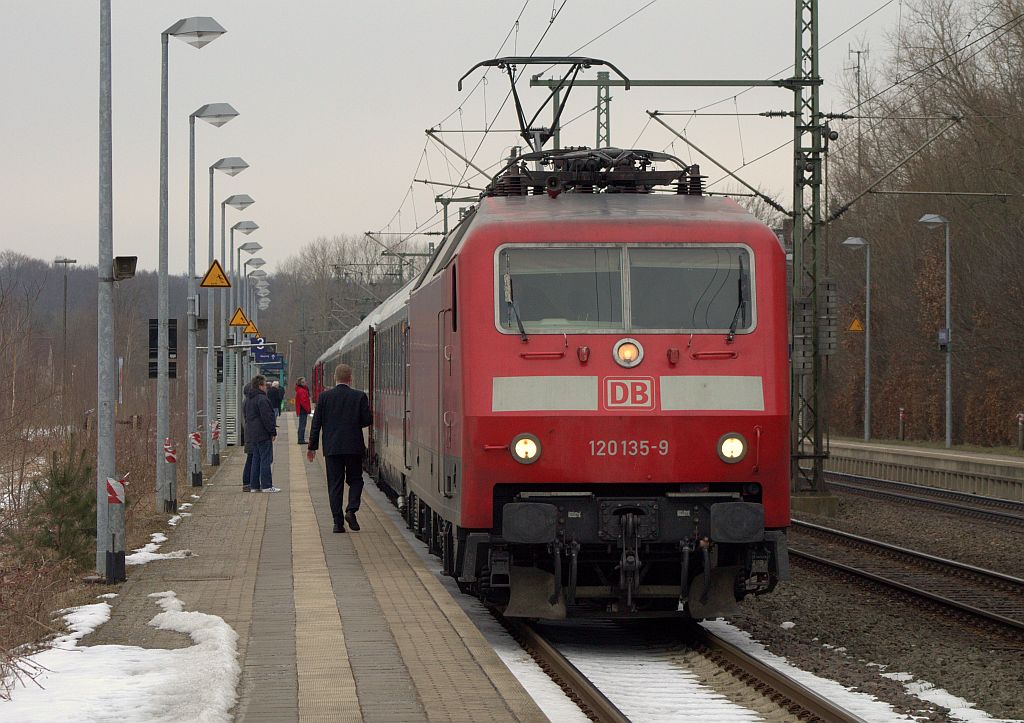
(671, 288)
(555, 288)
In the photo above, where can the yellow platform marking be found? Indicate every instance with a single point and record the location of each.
(327, 688)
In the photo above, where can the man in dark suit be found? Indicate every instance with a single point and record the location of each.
(342, 413)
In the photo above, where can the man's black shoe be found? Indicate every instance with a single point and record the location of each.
(339, 528)
(350, 518)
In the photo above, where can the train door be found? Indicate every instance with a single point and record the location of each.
(446, 391)
(406, 391)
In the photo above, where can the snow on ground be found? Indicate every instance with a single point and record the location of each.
(122, 682)
(866, 706)
(148, 553)
(107, 596)
(185, 506)
(195, 497)
(959, 709)
(174, 520)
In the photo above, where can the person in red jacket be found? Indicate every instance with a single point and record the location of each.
(302, 407)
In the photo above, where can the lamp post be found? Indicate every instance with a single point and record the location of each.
(255, 262)
(249, 247)
(64, 261)
(932, 220)
(239, 201)
(197, 32)
(855, 241)
(109, 518)
(256, 275)
(216, 114)
(232, 166)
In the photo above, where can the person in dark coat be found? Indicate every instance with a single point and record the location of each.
(341, 413)
(276, 396)
(260, 431)
(247, 445)
(302, 408)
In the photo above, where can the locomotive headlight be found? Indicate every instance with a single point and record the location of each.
(628, 352)
(732, 447)
(525, 448)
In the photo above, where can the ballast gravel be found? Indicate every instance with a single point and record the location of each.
(852, 634)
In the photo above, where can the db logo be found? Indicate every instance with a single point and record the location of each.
(629, 393)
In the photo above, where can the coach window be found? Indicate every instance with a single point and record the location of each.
(560, 288)
(690, 288)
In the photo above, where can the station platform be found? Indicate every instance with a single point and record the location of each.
(331, 627)
(979, 473)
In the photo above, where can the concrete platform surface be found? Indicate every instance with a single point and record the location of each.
(332, 627)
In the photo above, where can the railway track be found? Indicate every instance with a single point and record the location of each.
(988, 508)
(759, 679)
(982, 594)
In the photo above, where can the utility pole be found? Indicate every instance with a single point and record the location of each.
(857, 70)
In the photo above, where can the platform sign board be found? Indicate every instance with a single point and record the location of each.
(215, 278)
(238, 318)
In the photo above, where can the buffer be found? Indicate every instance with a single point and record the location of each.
(215, 278)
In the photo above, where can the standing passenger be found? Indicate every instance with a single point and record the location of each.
(302, 407)
(247, 445)
(276, 395)
(261, 431)
(342, 413)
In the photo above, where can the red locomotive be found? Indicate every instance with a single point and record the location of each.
(581, 404)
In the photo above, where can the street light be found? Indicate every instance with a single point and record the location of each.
(250, 247)
(216, 114)
(239, 201)
(932, 220)
(256, 275)
(197, 32)
(232, 166)
(855, 241)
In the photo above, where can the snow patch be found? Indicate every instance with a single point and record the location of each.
(148, 553)
(107, 596)
(959, 709)
(185, 506)
(195, 497)
(787, 625)
(122, 682)
(174, 520)
(866, 706)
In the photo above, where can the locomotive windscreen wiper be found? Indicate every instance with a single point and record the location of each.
(507, 279)
(741, 305)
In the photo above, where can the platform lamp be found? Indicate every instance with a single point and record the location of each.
(249, 247)
(933, 220)
(197, 32)
(256, 275)
(855, 242)
(232, 166)
(216, 114)
(256, 263)
(238, 201)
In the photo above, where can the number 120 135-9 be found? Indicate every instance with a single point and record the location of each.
(628, 447)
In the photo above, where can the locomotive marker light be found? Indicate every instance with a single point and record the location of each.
(628, 353)
(525, 448)
(732, 447)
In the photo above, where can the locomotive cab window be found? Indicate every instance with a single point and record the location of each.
(694, 288)
(560, 288)
(658, 287)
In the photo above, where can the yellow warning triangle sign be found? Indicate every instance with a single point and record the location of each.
(250, 328)
(856, 326)
(238, 318)
(215, 278)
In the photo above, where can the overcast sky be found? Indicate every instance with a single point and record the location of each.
(334, 97)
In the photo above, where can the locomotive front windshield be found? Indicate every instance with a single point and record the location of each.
(698, 288)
